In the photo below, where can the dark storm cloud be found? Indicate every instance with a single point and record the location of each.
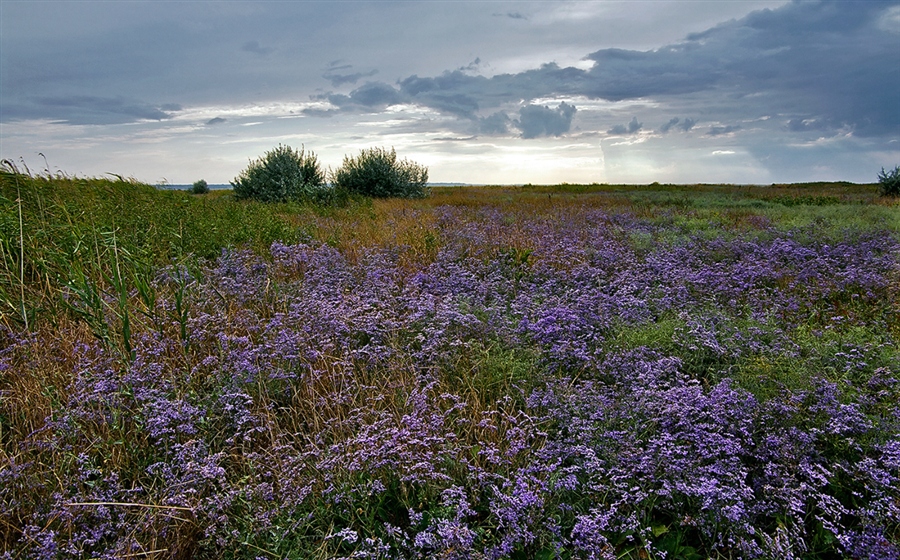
(445, 94)
(86, 109)
(539, 120)
(454, 92)
(824, 61)
(496, 123)
(369, 96)
(811, 59)
(464, 95)
(458, 104)
(622, 74)
(375, 94)
(632, 128)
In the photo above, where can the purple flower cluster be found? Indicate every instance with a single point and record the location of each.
(535, 388)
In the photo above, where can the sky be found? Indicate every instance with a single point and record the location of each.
(482, 92)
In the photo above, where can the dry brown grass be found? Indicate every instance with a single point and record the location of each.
(49, 357)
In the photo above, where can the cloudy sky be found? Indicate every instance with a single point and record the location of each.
(632, 91)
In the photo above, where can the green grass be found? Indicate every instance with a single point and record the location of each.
(82, 230)
(78, 232)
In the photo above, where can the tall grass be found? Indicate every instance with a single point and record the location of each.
(102, 234)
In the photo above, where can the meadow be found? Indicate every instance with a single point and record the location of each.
(536, 372)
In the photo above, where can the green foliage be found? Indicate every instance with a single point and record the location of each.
(889, 181)
(63, 244)
(200, 187)
(806, 200)
(377, 172)
(282, 175)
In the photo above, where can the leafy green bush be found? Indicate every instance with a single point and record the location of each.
(377, 172)
(282, 175)
(890, 181)
(200, 187)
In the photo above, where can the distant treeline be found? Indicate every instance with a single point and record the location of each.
(180, 187)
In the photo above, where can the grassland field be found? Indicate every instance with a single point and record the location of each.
(542, 371)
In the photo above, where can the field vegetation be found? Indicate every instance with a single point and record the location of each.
(569, 371)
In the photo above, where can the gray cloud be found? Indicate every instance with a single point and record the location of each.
(456, 104)
(454, 92)
(840, 156)
(682, 125)
(496, 123)
(375, 94)
(88, 109)
(829, 61)
(472, 66)
(325, 113)
(338, 65)
(720, 130)
(370, 96)
(215, 121)
(666, 127)
(632, 128)
(539, 120)
(766, 63)
(255, 48)
(338, 80)
(825, 61)
(622, 74)
(511, 15)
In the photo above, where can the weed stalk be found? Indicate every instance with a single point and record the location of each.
(21, 255)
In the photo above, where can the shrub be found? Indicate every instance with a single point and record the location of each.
(282, 175)
(200, 187)
(377, 172)
(890, 181)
